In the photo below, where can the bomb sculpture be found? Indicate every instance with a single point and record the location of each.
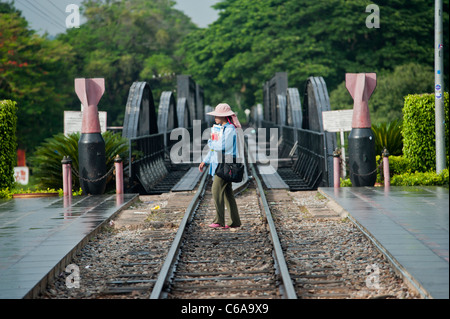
(361, 140)
(91, 146)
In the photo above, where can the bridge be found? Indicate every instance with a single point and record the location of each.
(289, 135)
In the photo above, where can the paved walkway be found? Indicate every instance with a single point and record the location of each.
(410, 224)
(37, 233)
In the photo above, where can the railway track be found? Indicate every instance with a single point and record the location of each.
(232, 263)
(284, 249)
(295, 254)
(328, 256)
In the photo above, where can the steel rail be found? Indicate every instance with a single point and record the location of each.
(167, 267)
(289, 289)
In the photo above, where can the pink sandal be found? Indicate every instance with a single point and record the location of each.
(213, 225)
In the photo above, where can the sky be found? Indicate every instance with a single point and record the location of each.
(51, 15)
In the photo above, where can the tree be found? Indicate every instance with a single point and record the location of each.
(34, 72)
(126, 41)
(253, 39)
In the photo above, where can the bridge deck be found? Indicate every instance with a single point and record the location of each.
(271, 178)
(188, 181)
(410, 224)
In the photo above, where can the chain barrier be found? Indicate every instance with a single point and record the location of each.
(337, 153)
(367, 174)
(93, 180)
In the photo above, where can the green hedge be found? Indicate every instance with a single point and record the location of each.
(397, 165)
(412, 179)
(419, 131)
(8, 145)
(421, 178)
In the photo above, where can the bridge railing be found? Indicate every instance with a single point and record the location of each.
(146, 162)
(311, 163)
(309, 149)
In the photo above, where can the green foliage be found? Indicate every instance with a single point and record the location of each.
(421, 178)
(346, 182)
(419, 132)
(397, 165)
(389, 136)
(6, 193)
(412, 179)
(140, 40)
(126, 41)
(37, 74)
(252, 40)
(8, 145)
(46, 162)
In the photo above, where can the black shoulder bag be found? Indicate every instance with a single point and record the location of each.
(228, 169)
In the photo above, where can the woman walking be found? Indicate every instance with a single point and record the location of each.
(223, 142)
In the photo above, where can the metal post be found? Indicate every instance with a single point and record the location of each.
(67, 175)
(336, 168)
(439, 88)
(386, 173)
(344, 168)
(119, 174)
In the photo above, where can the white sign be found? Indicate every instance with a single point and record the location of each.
(73, 119)
(21, 174)
(337, 121)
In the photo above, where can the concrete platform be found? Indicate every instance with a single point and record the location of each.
(409, 224)
(38, 237)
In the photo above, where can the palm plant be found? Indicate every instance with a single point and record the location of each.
(46, 161)
(389, 136)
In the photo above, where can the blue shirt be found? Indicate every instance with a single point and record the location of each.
(227, 142)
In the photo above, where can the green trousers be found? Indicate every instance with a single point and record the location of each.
(223, 194)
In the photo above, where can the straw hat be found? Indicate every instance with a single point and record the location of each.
(223, 110)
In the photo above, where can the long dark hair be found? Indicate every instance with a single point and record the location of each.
(230, 120)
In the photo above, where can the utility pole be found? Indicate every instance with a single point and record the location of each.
(439, 88)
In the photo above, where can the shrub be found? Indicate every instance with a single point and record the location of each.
(346, 182)
(5, 193)
(46, 161)
(419, 131)
(412, 179)
(8, 145)
(421, 178)
(389, 136)
(397, 165)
